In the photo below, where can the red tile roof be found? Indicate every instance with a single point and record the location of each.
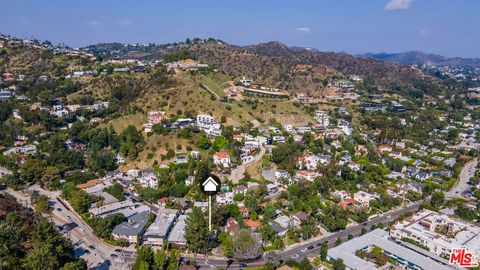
(89, 184)
(252, 223)
(221, 155)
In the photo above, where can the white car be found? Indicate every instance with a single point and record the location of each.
(295, 256)
(304, 250)
(82, 229)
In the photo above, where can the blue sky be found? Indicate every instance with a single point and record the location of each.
(447, 27)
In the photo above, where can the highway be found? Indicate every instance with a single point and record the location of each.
(313, 244)
(468, 171)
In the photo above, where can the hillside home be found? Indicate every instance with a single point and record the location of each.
(222, 159)
(364, 198)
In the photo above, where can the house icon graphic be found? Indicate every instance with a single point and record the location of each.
(210, 185)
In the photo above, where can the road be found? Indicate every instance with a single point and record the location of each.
(289, 252)
(80, 234)
(100, 256)
(238, 173)
(468, 171)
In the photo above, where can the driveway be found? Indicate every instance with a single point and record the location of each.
(239, 172)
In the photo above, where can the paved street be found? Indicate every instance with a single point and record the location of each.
(290, 251)
(239, 172)
(98, 257)
(468, 171)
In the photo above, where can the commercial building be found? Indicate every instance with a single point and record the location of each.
(438, 232)
(405, 257)
(159, 230)
(127, 208)
(131, 229)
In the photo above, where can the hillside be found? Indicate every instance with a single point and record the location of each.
(293, 69)
(420, 58)
(384, 74)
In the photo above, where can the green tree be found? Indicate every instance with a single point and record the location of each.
(116, 190)
(338, 241)
(438, 199)
(131, 142)
(10, 247)
(40, 258)
(220, 143)
(245, 246)
(204, 142)
(305, 264)
(196, 231)
(144, 259)
(338, 265)
(173, 260)
(42, 205)
(203, 171)
(159, 258)
(324, 251)
(238, 197)
(170, 154)
(77, 265)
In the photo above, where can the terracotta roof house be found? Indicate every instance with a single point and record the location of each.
(89, 184)
(252, 223)
(347, 203)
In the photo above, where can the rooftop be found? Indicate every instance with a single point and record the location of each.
(177, 236)
(134, 226)
(379, 238)
(424, 225)
(89, 184)
(162, 224)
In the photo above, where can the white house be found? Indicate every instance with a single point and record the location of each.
(222, 158)
(205, 120)
(225, 198)
(364, 198)
(322, 118)
(306, 175)
(149, 180)
(342, 195)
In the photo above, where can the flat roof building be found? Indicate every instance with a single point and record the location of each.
(177, 235)
(160, 228)
(379, 238)
(439, 232)
(131, 229)
(115, 207)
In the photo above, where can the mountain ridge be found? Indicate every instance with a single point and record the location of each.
(421, 58)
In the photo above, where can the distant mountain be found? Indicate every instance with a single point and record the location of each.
(295, 48)
(294, 69)
(420, 58)
(384, 74)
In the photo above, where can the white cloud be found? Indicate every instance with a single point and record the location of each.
(303, 30)
(94, 23)
(123, 22)
(423, 33)
(398, 4)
